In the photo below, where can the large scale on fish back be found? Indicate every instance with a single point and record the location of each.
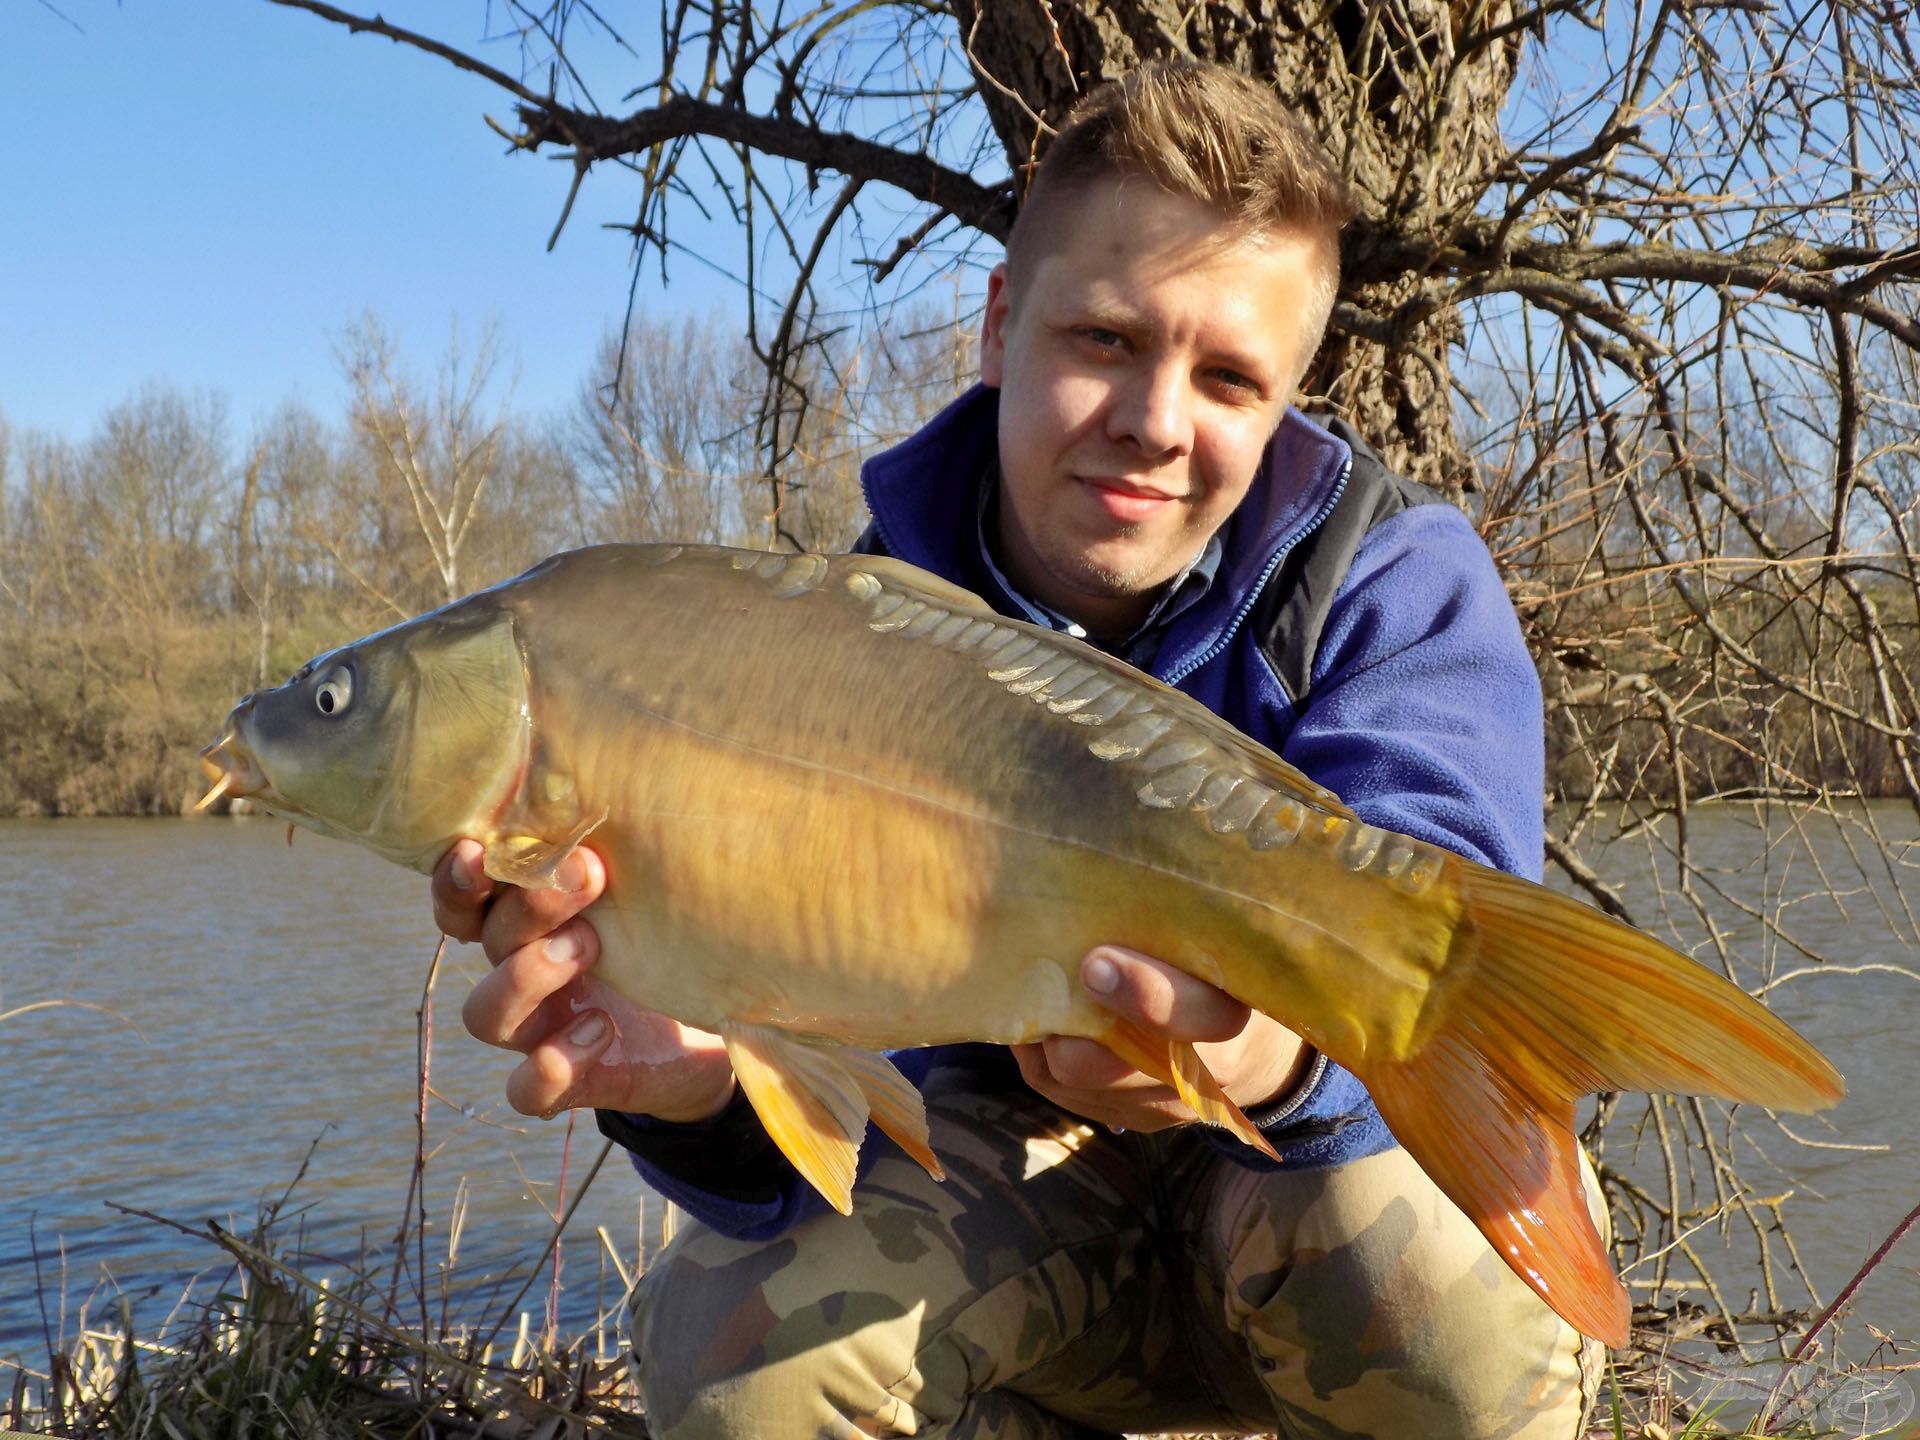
(845, 807)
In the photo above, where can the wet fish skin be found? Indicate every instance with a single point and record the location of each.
(844, 807)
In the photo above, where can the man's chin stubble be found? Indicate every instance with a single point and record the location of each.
(1103, 582)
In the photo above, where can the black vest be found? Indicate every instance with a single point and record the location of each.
(1292, 609)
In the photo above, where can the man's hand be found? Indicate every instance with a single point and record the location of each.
(1255, 1059)
(585, 1045)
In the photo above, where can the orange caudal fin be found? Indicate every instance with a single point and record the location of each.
(1177, 1063)
(1546, 1000)
(1509, 1160)
(1598, 1005)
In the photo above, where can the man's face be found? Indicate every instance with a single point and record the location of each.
(1142, 368)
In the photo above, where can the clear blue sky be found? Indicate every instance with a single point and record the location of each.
(206, 193)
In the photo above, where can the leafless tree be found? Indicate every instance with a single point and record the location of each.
(154, 480)
(105, 588)
(433, 454)
(149, 575)
(1635, 284)
(663, 432)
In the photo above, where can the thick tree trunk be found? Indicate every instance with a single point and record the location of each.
(1405, 94)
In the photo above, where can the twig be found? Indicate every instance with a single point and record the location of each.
(552, 1240)
(1884, 1249)
(28, 1009)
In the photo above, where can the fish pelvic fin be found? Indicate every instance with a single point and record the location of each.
(1546, 999)
(1177, 1063)
(815, 1100)
(531, 861)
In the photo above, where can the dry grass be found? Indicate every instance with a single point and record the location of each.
(279, 1352)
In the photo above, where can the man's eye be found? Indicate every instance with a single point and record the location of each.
(1240, 384)
(1106, 339)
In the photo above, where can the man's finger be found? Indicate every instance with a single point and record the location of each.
(552, 1074)
(1087, 1077)
(1164, 999)
(1087, 1065)
(520, 916)
(503, 1008)
(461, 891)
(1138, 1104)
(574, 1069)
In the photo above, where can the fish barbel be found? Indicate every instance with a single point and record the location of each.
(844, 807)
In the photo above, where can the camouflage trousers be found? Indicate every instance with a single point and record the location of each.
(1068, 1282)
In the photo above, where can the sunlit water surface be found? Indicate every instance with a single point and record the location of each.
(263, 1002)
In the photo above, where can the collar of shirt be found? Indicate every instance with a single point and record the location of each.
(1137, 647)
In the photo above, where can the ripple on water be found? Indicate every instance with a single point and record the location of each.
(275, 989)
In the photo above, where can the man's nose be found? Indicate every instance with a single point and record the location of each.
(1155, 410)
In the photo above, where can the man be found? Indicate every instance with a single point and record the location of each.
(1129, 470)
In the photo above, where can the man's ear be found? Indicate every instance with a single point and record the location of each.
(993, 328)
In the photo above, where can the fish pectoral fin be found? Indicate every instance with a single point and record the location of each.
(815, 1099)
(531, 861)
(1177, 1063)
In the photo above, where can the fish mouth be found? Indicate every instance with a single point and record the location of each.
(230, 765)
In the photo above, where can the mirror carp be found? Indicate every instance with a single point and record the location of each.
(845, 807)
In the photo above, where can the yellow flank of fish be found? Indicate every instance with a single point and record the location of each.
(846, 808)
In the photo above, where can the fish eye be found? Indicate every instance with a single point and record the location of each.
(335, 691)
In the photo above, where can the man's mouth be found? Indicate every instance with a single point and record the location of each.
(1123, 500)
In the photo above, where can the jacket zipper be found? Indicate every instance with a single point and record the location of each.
(1207, 656)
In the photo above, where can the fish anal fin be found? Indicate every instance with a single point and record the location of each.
(1177, 1063)
(812, 1107)
(532, 861)
(1509, 1160)
(895, 1105)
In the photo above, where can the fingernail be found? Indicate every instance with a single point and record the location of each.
(464, 872)
(572, 874)
(1099, 975)
(586, 1032)
(564, 948)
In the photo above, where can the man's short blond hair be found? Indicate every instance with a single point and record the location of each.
(1204, 133)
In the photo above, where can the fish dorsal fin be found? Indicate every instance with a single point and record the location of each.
(1178, 754)
(897, 577)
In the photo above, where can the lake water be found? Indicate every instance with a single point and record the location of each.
(274, 988)
(1849, 892)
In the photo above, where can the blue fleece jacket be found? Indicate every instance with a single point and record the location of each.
(1423, 714)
